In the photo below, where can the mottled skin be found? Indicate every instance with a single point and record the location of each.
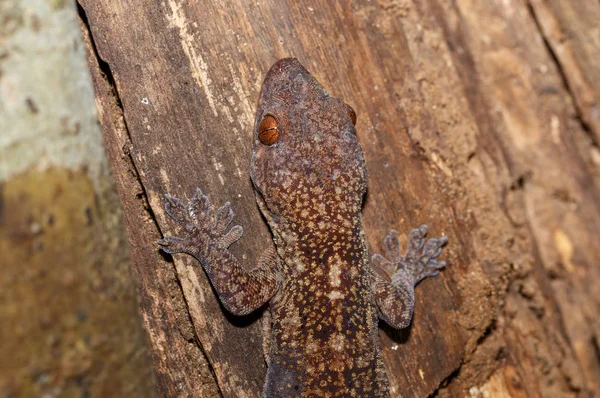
(324, 297)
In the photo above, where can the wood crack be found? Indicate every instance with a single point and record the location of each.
(142, 195)
(579, 114)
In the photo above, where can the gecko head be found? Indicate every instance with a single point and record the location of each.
(306, 159)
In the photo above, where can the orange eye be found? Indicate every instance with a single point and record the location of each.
(351, 113)
(268, 132)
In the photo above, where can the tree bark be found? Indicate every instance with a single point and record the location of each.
(479, 119)
(69, 321)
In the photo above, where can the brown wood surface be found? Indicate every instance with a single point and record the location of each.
(477, 118)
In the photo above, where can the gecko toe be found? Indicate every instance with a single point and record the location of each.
(199, 207)
(234, 234)
(175, 209)
(382, 265)
(391, 245)
(174, 244)
(223, 218)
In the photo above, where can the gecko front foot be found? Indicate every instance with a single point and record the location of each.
(203, 227)
(414, 266)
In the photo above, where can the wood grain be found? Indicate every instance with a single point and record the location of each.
(468, 124)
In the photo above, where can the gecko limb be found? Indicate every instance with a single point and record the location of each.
(206, 237)
(395, 293)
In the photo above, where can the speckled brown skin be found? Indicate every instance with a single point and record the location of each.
(324, 297)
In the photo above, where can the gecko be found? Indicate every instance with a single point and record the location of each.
(325, 297)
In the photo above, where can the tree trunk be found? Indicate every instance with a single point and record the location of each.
(480, 119)
(69, 321)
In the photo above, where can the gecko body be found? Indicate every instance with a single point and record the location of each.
(324, 295)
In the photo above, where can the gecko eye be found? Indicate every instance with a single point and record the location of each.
(351, 113)
(268, 132)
